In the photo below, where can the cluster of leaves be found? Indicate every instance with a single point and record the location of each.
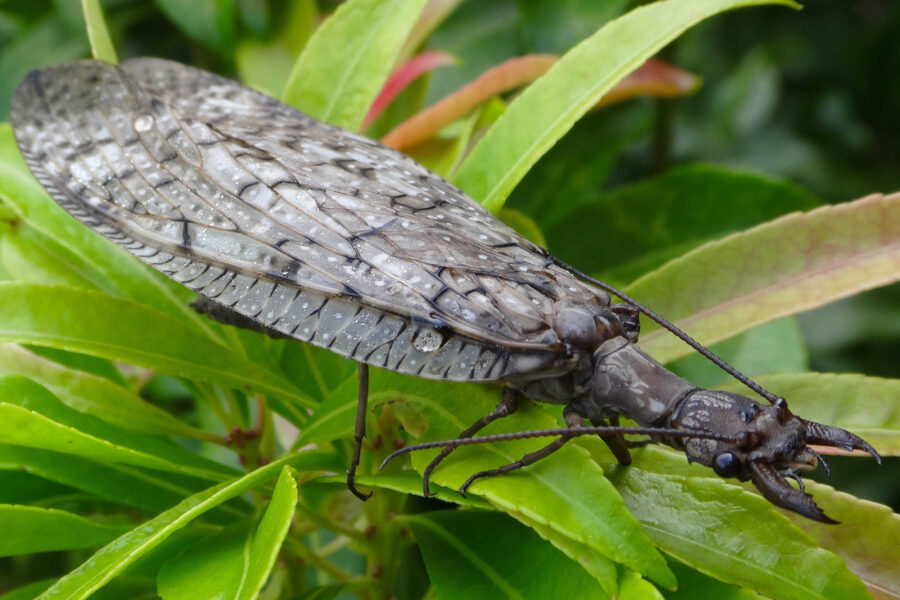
(227, 483)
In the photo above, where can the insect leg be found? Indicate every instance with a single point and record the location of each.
(572, 419)
(505, 407)
(359, 431)
(615, 441)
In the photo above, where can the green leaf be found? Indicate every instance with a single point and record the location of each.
(101, 45)
(210, 568)
(866, 537)
(566, 492)
(30, 416)
(114, 558)
(693, 584)
(210, 22)
(144, 489)
(28, 530)
(654, 220)
(270, 535)
(548, 108)
(634, 587)
(348, 59)
(405, 482)
(865, 405)
(94, 258)
(101, 325)
(783, 267)
(734, 535)
(94, 395)
(474, 554)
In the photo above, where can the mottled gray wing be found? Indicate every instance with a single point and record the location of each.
(305, 228)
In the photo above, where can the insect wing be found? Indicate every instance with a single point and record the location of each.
(304, 228)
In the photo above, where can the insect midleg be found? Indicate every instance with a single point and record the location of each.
(359, 431)
(507, 406)
(572, 419)
(615, 441)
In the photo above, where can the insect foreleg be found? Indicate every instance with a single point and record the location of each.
(615, 441)
(359, 431)
(507, 406)
(572, 419)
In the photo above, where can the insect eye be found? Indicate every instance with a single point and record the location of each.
(727, 465)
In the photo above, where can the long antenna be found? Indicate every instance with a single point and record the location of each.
(560, 431)
(676, 332)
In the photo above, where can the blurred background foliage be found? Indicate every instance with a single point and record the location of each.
(809, 100)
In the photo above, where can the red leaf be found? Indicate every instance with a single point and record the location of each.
(404, 75)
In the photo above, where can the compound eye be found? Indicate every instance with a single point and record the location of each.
(727, 465)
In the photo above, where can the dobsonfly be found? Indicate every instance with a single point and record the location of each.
(293, 227)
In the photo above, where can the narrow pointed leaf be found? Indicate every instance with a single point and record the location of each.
(866, 538)
(348, 59)
(144, 489)
(549, 107)
(117, 556)
(31, 417)
(507, 76)
(403, 77)
(566, 492)
(795, 263)
(270, 534)
(94, 395)
(110, 327)
(101, 45)
(28, 530)
(732, 534)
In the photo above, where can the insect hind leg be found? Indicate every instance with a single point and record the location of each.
(359, 432)
(507, 406)
(572, 418)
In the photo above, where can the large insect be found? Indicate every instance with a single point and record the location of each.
(297, 228)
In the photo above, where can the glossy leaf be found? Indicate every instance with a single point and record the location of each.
(434, 13)
(270, 534)
(29, 529)
(732, 534)
(118, 329)
(865, 405)
(348, 59)
(693, 584)
(234, 563)
(94, 395)
(566, 492)
(117, 556)
(406, 482)
(548, 108)
(472, 554)
(101, 45)
(147, 490)
(784, 267)
(866, 538)
(31, 417)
